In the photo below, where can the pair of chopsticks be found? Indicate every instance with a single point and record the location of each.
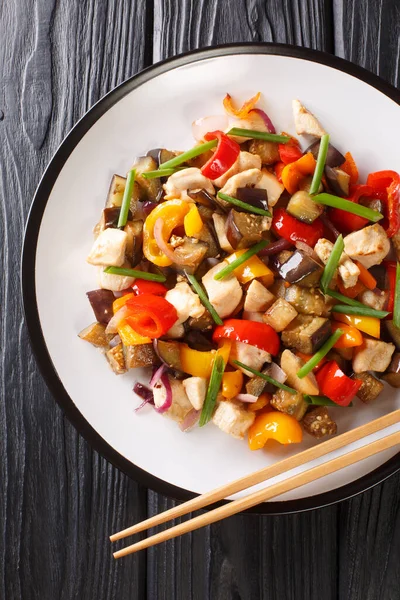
(268, 492)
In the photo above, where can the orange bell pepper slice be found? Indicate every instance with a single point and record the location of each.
(294, 172)
(365, 277)
(274, 426)
(232, 382)
(262, 401)
(349, 166)
(351, 336)
(243, 111)
(353, 291)
(369, 325)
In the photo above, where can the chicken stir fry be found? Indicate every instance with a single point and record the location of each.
(255, 279)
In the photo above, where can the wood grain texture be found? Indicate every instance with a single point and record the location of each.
(58, 499)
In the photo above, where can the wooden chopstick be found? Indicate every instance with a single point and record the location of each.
(263, 474)
(255, 498)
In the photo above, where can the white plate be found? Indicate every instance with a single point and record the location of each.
(156, 109)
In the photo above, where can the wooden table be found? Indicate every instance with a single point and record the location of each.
(59, 500)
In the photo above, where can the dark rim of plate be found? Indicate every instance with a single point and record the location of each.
(41, 197)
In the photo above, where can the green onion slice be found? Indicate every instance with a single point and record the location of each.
(135, 273)
(217, 372)
(126, 200)
(185, 156)
(266, 377)
(318, 356)
(160, 173)
(204, 299)
(259, 135)
(244, 205)
(396, 306)
(321, 401)
(240, 260)
(360, 311)
(332, 264)
(344, 299)
(351, 207)
(319, 168)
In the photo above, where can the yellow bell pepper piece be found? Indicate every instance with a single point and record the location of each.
(129, 337)
(196, 363)
(120, 302)
(262, 401)
(224, 349)
(192, 221)
(251, 268)
(173, 213)
(232, 382)
(369, 325)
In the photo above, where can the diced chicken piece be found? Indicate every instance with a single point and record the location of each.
(280, 314)
(232, 418)
(258, 298)
(180, 406)
(115, 283)
(225, 294)
(348, 271)
(261, 179)
(253, 316)
(373, 355)
(186, 180)
(196, 388)
(108, 248)
(396, 244)
(115, 357)
(274, 188)
(291, 364)
(305, 121)
(369, 245)
(376, 299)
(186, 302)
(250, 356)
(244, 161)
(220, 230)
(318, 423)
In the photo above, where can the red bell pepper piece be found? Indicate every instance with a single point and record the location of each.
(390, 267)
(151, 315)
(142, 286)
(334, 384)
(293, 230)
(386, 187)
(290, 152)
(256, 334)
(346, 222)
(278, 168)
(224, 156)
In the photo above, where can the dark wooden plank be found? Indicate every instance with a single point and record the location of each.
(59, 500)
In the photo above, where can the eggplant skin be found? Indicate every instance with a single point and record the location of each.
(301, 269)
(101, 302)
(244, 229)
(306, 333)
(141, 355)
(392, 374)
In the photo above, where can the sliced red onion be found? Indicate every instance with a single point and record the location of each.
(277, 373)
(206, 124)
(157, 375)
(148, 206)
(249, 398)
(119, 316)
(307, 250)
(329, 225)
(266, 119)
(190, 420)
(115, 341)
(143, 392)
(168, 394)
(163, 245)
(276, 247)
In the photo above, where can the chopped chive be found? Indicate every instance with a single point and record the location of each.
(185, 156)
(319, 168)
(217, 372)
(259, 135)
(135, 273)
(318, 356)
(204, 298)
(321, 401)
(126, 200)
(160, 173)
(396, 306)
(332, 264)
(359, 311)
(274, 382)
(351, 207)
(240, 260)
(244, 205)
(344, 299)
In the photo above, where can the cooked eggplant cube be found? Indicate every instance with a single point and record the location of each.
(257, 385)
(334, 158)
(392, 375)
(203, 323)
(110, 216)
(150, 189)
(244, 229)
(169, 353)
(393, 331)
(95, 334)
(141, 355)
(303, 207)
(253, 196)
(208, 236)
(307, 334)
(301, 269)
(338, 181)
(280, 314)
(318, 423)
(134, 242)
(190, 254)
(116, 191)
(306, 301)
(371, 387)
(292, 404)
(101, 302)
(267, 151)
(115, 357)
